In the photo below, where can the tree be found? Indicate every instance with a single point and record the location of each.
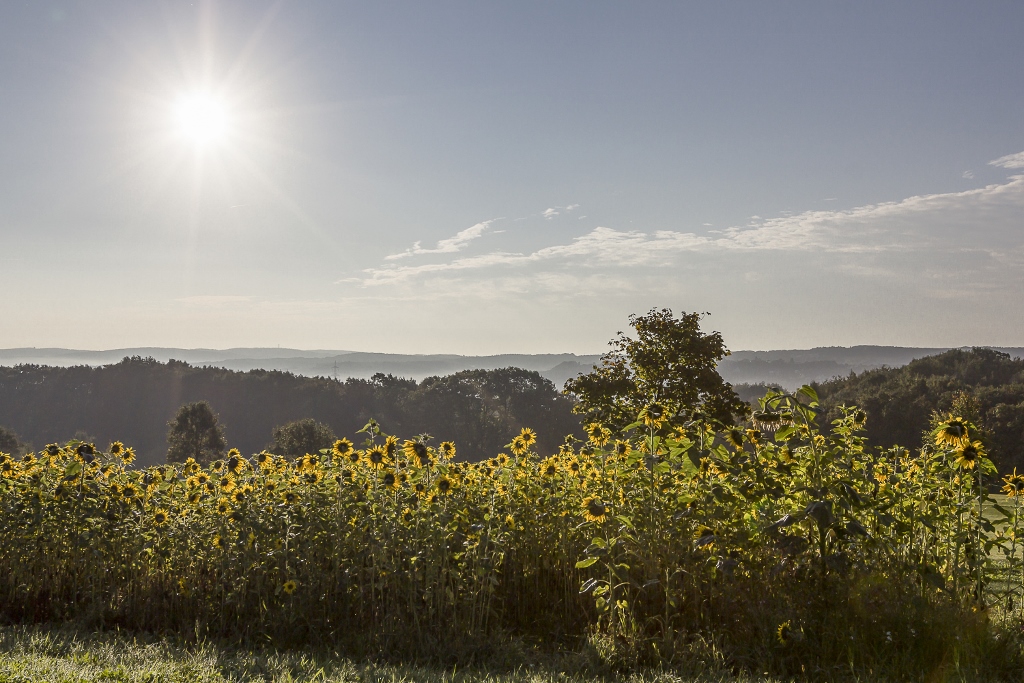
(670, 364)
(300, 437)
(195, 433)
(9, 442)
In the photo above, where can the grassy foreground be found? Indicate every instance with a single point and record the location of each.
(64, 655)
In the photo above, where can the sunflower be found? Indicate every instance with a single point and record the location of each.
(444, 485)
(210, 486)
(86, 452)
(528, 436)
(502, 459)
(1014, 484)
(597, 434)
(447, 449)
(952, 432)
(573, 465)
(754, 435)
(270, 486)
(191, 466)
(623, 448)
(217, 466)
(226, 484)
(594, 510)
(236, 463)
(223, 506)
(264, 460)
(290, 497)
(160, 517)
(389, 480)
(967, 455)
(52, 450)
(784, 633)
(342, 447)
(130, 492)
(391, 446)
(417, 452)
(407, 516)
(289, 586)
(239, 495)
(518, 446)
(218, 542)
(116, 449)
(549, 467)
(653, 414)
(195, 497)
(375, 457)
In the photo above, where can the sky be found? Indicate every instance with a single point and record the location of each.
(484, 177)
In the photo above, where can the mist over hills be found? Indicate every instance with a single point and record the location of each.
(788, 368)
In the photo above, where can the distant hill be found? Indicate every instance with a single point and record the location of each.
(899, 401)
(556, 367)
(787, 368)
(792, 368)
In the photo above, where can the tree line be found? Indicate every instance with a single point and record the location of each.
(134, 400)
(981, 385)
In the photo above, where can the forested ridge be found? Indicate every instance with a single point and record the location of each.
(900, 401)
(132, 401)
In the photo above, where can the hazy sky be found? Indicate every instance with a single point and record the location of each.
(483, 177)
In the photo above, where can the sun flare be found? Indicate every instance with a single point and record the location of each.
(201, 118)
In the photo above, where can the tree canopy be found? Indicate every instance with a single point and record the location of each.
(669, 362)
(195, 433)
(299, 437)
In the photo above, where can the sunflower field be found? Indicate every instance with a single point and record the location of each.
(783, 547)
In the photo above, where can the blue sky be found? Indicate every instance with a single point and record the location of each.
(477, 177)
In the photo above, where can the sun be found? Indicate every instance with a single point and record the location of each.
(201, 118)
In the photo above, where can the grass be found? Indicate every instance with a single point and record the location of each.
(31, 654)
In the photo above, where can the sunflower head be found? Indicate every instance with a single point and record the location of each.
(342, 447)
(447, 450)
(528, 436)
(223, 506)
(549, 467)
(784, 633)
(289, 586)
(598, 434)
(290, 497)
(653, 414)
(518, 446)
(444, 485)
(116, 449)
(160, 517)
(594, 509)
(235, 463)
(375, 457)
(953, 432)
(968, 454)
(1014, 484)
(264, 460)
(218, 542)
(226, 483)
(391, 446)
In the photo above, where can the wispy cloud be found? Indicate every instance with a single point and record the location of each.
(451, 245)
(935, 224)
(557, 210)
(1009, 161)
